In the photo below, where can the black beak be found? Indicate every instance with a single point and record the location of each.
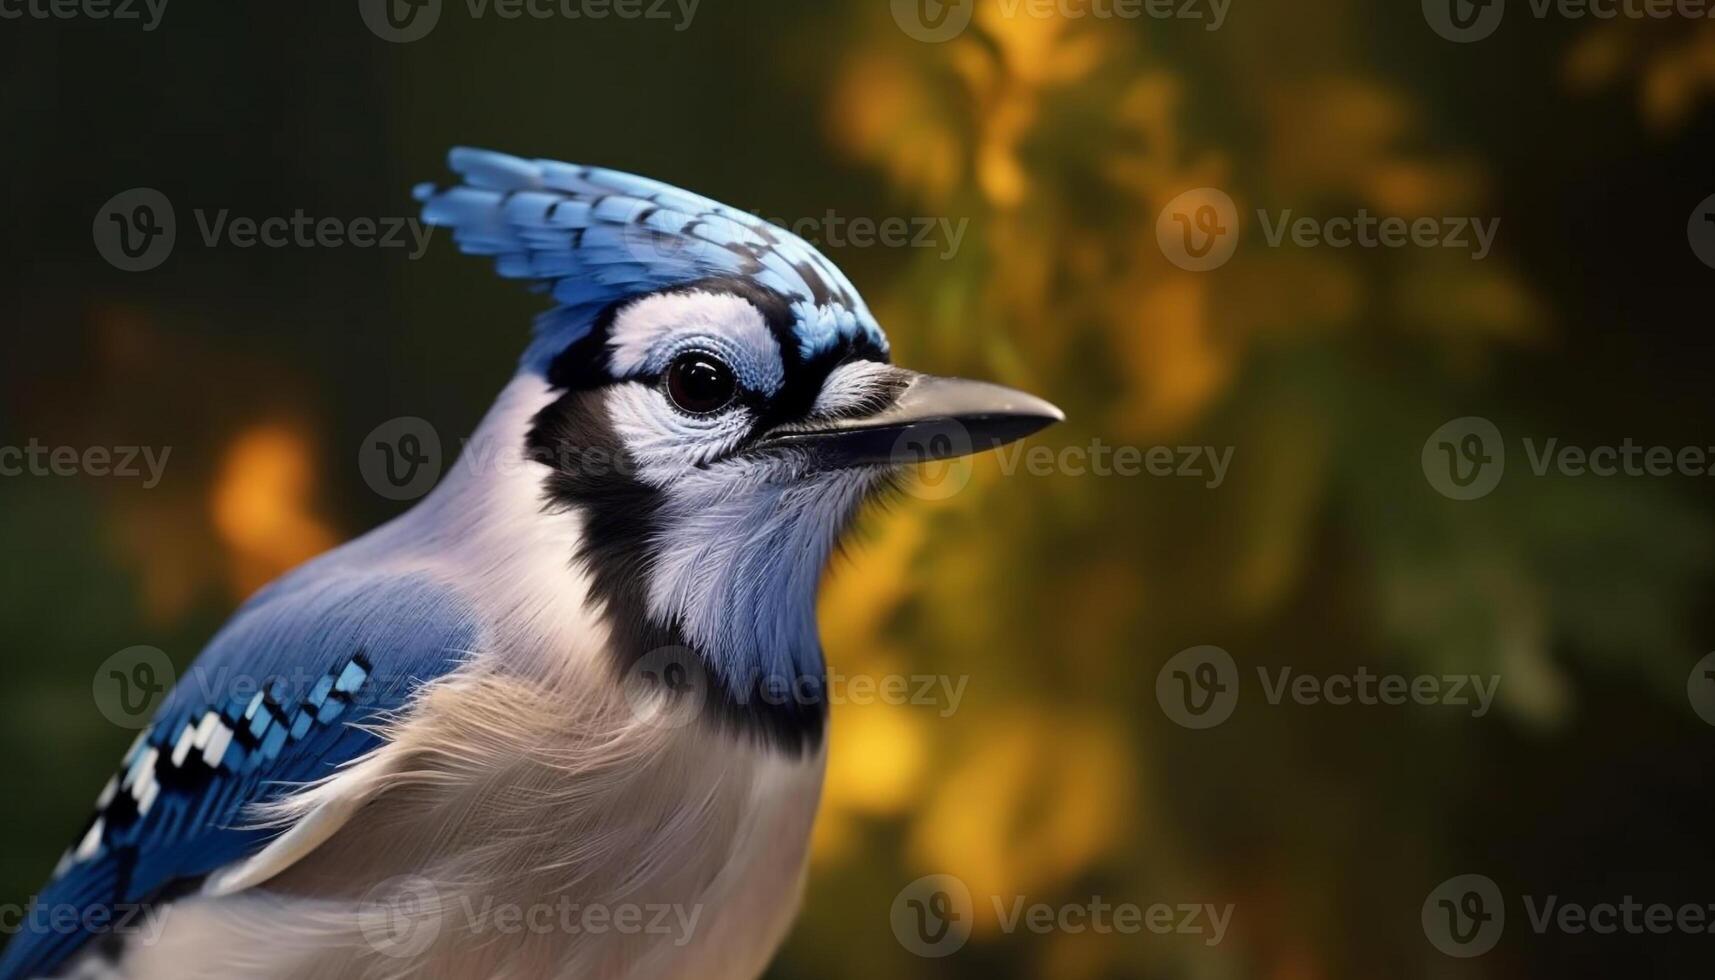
(932, 418)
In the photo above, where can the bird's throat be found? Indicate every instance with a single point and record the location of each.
(731, 580)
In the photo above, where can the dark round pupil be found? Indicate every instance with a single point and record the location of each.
(699, 383)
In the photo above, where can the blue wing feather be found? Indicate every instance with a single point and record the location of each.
(284, 694)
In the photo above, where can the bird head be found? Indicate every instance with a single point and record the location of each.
(721, 404)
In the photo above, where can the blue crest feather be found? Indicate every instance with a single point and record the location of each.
(591, 237)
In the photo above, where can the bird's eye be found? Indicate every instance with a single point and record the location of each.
(700, 383)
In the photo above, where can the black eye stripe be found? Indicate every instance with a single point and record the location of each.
(804, 381)
(584, 364)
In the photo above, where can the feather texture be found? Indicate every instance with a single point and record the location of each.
(592, 236)
(282, 696)
(446, 699)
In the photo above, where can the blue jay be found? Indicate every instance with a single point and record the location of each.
(565, 717)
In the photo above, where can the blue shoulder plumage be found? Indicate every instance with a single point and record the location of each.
(592, 236)
(280, 697)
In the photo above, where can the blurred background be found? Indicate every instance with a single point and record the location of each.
(1058, 137)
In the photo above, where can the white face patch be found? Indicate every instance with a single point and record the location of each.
(852, 386)
(649, 333)
(666, 444)
(731, 542)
